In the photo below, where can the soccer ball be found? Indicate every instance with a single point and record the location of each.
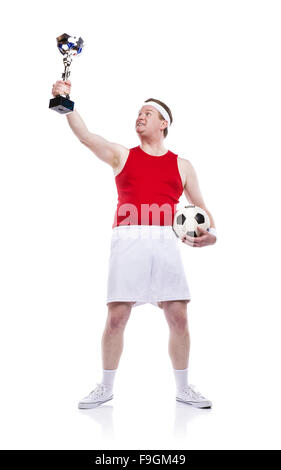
(188, 219)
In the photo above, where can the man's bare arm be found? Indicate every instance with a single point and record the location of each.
(192, 190)
(108, 152)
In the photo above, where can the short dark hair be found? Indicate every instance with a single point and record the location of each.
(160, 115)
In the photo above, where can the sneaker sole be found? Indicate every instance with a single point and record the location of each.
(197, 405)
(86, 406)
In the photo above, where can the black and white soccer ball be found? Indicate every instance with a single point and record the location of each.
(188, 219)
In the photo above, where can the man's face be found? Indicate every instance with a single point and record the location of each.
(148, 121)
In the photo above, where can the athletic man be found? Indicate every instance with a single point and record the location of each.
(145, 261)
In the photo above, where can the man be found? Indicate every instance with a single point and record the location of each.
(145, 261)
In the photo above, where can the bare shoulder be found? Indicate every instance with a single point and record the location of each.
(184, 166)
(184, 162)
(119, 161)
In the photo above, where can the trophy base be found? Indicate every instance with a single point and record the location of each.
(61, 104)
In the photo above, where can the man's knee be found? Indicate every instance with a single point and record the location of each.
(176, 314)
(118, 315)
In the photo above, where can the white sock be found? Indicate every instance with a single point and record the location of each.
(108, 379)
(181, 378)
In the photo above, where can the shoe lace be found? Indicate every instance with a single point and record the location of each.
(98, 391)
(193, 391)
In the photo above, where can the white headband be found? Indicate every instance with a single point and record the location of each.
(160, 109)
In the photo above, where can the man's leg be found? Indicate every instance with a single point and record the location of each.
(112, 339)
(112, 346)
(179, 345)
(179, 341)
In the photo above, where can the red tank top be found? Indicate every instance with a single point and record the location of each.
(149, 188)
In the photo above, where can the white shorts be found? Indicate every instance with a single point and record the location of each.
(145, 266)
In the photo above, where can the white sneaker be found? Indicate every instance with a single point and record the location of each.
(191, 396)
(97, 397)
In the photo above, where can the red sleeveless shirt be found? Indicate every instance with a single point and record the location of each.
(149, 188)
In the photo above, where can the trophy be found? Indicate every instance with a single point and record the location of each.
(69, 46)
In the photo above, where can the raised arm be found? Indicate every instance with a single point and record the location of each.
(108, 152)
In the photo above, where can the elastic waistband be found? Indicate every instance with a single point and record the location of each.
(144, 231)
(143, 227)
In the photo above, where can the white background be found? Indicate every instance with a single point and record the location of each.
(217, 66)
